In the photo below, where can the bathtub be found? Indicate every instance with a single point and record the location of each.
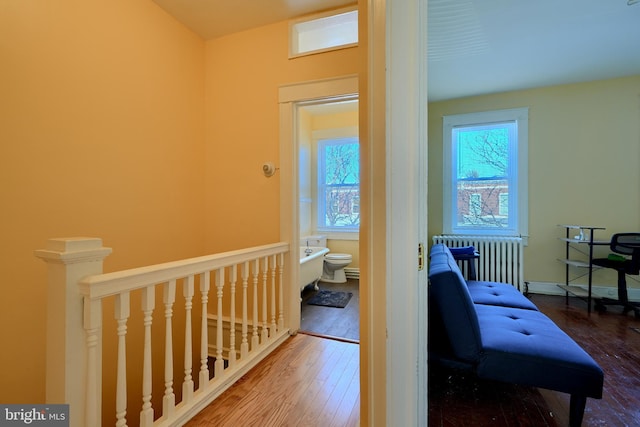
(311, 265)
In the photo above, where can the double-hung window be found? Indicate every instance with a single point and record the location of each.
(485, 173)
(338, 200)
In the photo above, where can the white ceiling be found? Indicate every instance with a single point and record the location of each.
(487, 46)
(475, 46)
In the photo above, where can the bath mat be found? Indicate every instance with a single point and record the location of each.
(336, 299)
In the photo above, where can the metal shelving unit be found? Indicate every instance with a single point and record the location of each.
(572, 246)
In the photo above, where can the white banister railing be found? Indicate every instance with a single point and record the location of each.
(222, 331)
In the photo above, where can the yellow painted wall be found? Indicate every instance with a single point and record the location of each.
(351, 247)
(119, 123)
(336, 120)
(102, 135)
(244, 72)
(584, 148)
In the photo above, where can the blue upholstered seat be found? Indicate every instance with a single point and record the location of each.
(495, 330)
(495, 293)
(526, 347)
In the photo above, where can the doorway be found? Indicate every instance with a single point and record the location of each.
(311, 95)
(329, 206)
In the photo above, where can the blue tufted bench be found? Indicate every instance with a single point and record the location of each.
(494, 330)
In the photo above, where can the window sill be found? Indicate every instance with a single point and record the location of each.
(339, 235)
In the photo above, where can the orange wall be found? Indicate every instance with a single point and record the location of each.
(244, 72)
(119, 123)
(102, 135)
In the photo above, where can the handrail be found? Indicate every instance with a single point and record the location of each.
(109, 284)
(252, 279)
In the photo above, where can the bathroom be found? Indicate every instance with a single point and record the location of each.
(320, 123)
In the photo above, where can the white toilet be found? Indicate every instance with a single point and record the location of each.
(334, 263)
(333, 270)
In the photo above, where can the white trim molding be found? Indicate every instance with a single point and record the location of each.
(289, 97)
(551, 288)
(406, 305)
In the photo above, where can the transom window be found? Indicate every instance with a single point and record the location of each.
(333, 30)
(485, 173)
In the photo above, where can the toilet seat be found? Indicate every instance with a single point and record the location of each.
(337, 257)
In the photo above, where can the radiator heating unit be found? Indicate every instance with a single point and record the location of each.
(501, 258)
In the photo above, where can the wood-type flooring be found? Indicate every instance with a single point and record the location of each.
(611, 338)
(340, 323)
(312, 381)
(307, 381)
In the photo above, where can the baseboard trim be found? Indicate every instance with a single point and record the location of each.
(551, 288)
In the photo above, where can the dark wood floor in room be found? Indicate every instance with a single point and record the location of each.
(612, 339)
(341, 323)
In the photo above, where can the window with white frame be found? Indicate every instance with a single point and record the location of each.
(485, 173)
(338, 194)
(332, 30)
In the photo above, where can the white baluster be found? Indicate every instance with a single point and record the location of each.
(232, 330)
(244, 346)
(218, 368)
(273, 327)
(265, 273)
(187, 385)
(122, 311)
(92, 326)
(204, 336)
(255, 340)
(169, 398)
(148, 304)
(280, 292)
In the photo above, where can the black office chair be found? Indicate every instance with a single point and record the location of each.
(628, 245)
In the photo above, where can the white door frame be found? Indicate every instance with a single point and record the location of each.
(401, 27)
(289, 96)
(406, 183)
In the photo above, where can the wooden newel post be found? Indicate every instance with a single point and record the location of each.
(69, 260)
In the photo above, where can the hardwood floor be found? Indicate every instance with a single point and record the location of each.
(307, 381)
(311, 381)
(612, 339)
(341, 323)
